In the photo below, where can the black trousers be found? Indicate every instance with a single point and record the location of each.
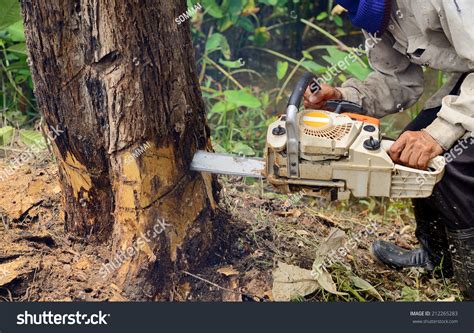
(452, 202)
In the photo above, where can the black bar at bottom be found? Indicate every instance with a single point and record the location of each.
(237, 317)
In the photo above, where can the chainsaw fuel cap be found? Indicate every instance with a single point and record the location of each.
(279, 130)
(372, 144)
(369, 128)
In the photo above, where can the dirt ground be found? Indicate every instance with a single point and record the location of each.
(39, 261)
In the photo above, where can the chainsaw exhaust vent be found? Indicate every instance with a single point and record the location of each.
(334, 133)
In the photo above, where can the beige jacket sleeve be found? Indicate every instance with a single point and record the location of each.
(395, 85)
(457, 112)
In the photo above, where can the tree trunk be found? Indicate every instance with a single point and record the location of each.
(116, 82)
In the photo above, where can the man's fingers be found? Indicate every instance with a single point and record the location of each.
(307, 93)
(423, 161)
(399, 145)
(311, 98)
(414, 159)
(317, 100)
(405, 155)
(415, 149)
(397, 148)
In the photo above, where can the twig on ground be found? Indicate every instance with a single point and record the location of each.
(220, 287)
(5, 223)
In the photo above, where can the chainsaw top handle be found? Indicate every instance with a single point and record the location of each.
(292, 142)
(300, 88)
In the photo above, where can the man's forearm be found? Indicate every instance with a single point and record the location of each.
(456, 116)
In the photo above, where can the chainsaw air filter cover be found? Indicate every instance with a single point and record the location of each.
(326, 135)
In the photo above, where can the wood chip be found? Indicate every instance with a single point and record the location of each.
(228, 271)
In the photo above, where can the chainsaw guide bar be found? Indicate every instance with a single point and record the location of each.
(226, 164)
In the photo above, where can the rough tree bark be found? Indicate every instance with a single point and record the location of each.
(117, 80)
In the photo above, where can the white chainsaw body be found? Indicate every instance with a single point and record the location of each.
(323, 153)
(329, 154)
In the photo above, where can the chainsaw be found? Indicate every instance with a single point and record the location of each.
(330, 154)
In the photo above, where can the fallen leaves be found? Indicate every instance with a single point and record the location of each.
(449, 299)
(291, 213)
(366, 286)
(227, 271)
(82, 264)
(290, 282)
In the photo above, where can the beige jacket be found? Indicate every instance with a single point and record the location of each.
(434, 33)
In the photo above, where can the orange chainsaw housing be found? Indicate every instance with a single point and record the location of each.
(367, 119)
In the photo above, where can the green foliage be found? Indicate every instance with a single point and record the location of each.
(17, 105)
(32, 138)
(10, 13)
(353, 68)
(410, 294)
(241, 92)
(217, 42)
(282, 69)
(248, 60)
(6, 134)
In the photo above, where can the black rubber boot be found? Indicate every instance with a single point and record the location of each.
(431, 233)
(396, 257)
(462, 253)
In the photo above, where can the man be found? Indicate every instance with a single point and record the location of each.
(411, 34)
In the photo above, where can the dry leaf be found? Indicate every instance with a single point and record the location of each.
(335, 240)
(405, 229)
(366, 286)
(82, 264)
(291, 213)
(449, 299)
(291, 281)
(302, 232)
(228, 296)
(227, 271)
(326, 282)
(338, 10)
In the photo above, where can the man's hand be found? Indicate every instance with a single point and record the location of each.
(415, 149)
(318, 99)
